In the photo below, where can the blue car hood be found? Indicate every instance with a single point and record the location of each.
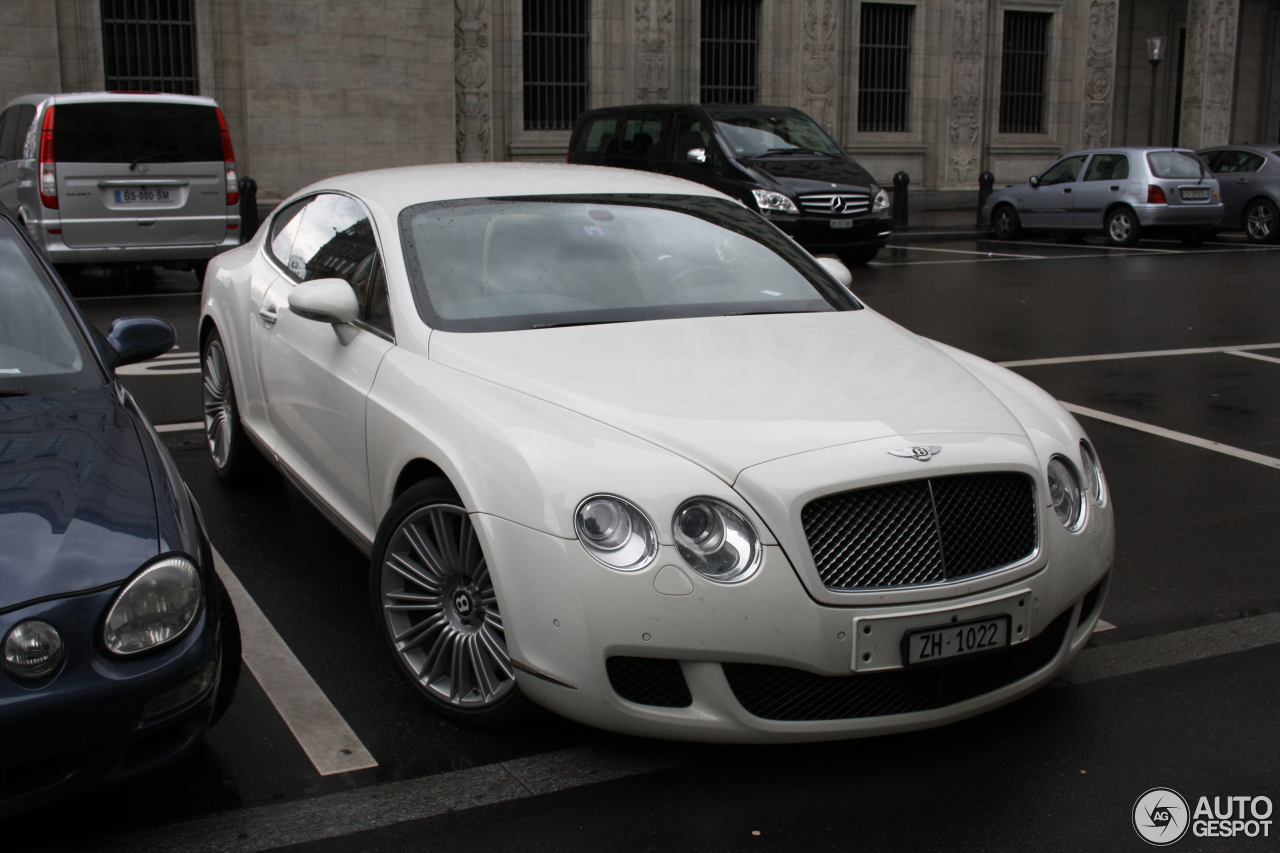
(77, 508)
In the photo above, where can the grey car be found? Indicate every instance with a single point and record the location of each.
(1250, 179)
(99, 177)
(1124, 193)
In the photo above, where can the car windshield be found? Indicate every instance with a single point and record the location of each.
(40, 348)
(753, 134)
(1177, 164)
(499, 264)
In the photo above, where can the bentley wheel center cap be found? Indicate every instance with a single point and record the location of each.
(462, 602)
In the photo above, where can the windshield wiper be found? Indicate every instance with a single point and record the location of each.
(12, 392)
(579, 323)
(797, 151)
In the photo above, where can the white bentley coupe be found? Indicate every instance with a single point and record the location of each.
(617, 446)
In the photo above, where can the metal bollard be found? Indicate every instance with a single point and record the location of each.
(899, 211)
(248, 209)
(986, 183)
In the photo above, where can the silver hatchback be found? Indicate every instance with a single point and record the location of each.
(99, 177)
(1250, 179)
(1125, 193)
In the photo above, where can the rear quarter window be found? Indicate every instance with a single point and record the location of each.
(596, 134)
(128, 131)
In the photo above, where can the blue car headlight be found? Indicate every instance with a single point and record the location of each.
(156, 606)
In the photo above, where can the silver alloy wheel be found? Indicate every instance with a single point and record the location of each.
(441, 611)
(1261, 223)
(1120, 227)
(219, 402)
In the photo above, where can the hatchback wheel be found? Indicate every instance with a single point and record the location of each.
(434, 602)
(235, 459)
(1260, 222)
(1122, 227)
(1005, 223)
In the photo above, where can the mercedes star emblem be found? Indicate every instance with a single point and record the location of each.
(921, 452)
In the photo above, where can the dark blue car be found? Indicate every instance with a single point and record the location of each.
(118, 644)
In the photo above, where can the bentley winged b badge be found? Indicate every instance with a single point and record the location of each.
(921, 452)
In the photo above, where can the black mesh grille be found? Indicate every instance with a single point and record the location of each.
(1090, 602)
(782, 693)
(649, 681)
(921, 531)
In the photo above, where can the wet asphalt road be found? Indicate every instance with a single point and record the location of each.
(1057, 770)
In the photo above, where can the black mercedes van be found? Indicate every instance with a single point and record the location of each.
(776, 160)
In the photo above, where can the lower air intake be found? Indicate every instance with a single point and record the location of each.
(649, 681)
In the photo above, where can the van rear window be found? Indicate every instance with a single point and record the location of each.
(128, 132)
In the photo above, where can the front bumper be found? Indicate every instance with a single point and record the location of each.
(82, 727)
(818, 236)
(566, 616)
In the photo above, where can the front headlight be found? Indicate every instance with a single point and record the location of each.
(33, 649)
(881, 202)
(615, 533)
(770, 200)
(1064, 493)
(716, 540)
(156, 607)
(1093, 470)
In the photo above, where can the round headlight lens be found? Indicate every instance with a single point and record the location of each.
(1064, 492)
(33, 649)
(615, 532)
(156, 607)
(1093, 470)
(716, 540)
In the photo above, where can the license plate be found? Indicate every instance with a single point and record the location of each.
(136, 196)
(842, 223)
(1195, 195)
(955, 640)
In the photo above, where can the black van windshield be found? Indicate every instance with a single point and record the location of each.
(755, 134)
(136, 131)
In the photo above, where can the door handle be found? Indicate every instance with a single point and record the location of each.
(1113, 189)
(1066, 189)
(269, 314)
(1242, 180)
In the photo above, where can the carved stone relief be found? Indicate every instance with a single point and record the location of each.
(654, 25)
(964, 126)
(472, 63)
(818, 77)
(1210, 70)
(1100, 62)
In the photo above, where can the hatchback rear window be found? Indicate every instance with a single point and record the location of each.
(131, 132)
(1177, 164)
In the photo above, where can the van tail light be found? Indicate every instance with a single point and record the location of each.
(1155, 195)
(229, 160)
(48, 175)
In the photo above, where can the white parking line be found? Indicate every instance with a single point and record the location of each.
(1116, 356)
(1253, 355)
(189, 426)
(1216, 446)
(318, 727)
(169, 364)
(1127, 249)
(969, 252)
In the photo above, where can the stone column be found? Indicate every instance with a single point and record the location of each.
(819, 75)
(964, 113)
(1101, 29)
(473, 85)
(654, 50)
(1209, 72)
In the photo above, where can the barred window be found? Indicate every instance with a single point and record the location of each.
(149, 46)
(884, 67)
(1022, 77)
(555, 63)
(729, 51)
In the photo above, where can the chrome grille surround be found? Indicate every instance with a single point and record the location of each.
(922, 532)
(836, 204)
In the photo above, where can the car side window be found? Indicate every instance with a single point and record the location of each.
(1064, 171)
(1235, 162)
(1211, 158)
(641, 137)
(376, 309)
(283, 230)
(691, 132)
(8, 131)
(1107, 167)
(597, 136)
(22, 132)
(334, 240)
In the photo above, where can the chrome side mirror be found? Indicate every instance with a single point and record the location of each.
(325, 300)
(696, 155)
(1034, 180)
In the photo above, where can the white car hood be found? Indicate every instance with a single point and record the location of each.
(731, 392)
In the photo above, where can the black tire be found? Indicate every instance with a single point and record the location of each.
(456, 606)
(1261, 221)
(228, 652)
(235, 460)
(859, 257)
(199, 267)
(1005, 223)
(1122, 227)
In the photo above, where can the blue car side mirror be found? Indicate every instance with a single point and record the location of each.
(139, 338)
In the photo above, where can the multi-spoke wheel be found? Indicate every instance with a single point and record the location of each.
(1261, 222)
(1005, 223)
(1122, 227)
(235, 460)
(434, 601)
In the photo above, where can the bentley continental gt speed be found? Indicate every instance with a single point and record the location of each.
(617, 446)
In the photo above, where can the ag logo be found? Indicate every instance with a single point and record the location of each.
(1160, 816)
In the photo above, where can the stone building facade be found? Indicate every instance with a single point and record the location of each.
(317, 87)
